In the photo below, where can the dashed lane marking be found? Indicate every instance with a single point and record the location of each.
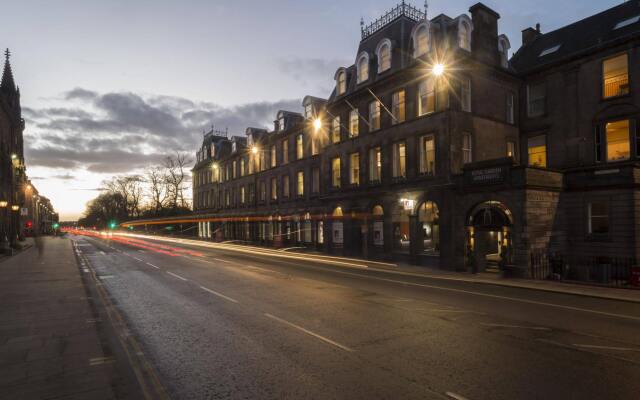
(535, 328)
(151, 265)
(219, 294)
(592, 346)
(455, 396)
(177, 276)
(308, 332)
(101, 361)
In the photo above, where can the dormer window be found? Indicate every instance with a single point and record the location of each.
(465, 27)
(281, 125)
(384, 55)
(503, 49)
(421, 39)
(234, 147)
(308, 111)
(341, 82)
(363, 67)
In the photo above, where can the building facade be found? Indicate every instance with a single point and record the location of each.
(435, 148)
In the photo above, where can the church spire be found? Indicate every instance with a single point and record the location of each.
(7, 75)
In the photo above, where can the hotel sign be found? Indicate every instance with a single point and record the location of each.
(487, 175)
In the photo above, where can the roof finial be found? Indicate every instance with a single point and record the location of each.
(361, 22)
(426, 9)
(7, 83)
(7, 54)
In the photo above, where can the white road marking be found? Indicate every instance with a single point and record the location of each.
(136, 258)
(177, 276)
(102, 252)
(592, 346)
(221, 260)
(308, 332)
(151, 265)
(218, 294)
(106, 277)
(101, 360)
(455, 396)
(536, 328)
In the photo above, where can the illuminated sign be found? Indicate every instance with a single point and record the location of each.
(407, 204)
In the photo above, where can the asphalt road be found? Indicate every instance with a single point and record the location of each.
(225, 324)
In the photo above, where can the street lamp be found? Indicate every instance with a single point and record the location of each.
(3, 203)
(14, 156)
(15, 207)
(438, 69)
(254, 149)
(317, 124)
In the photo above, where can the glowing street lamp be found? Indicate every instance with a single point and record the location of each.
(4, 203)
(215, 166)
(317, 124)
(438, 69)
(254, 149)
(14, 156)
(15, 207)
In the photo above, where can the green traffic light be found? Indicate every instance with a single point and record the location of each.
(56, 226)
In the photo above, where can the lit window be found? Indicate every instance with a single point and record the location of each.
(300, 186)
(274, 189)
(335, 172)
(363, 68)
(511, 149)
(242, 167)
(384, 56)
(354, 169)
(465, 95)
(421, 41)
(615, 76)
(536, 99)
(242, 199)
(335, 130)
(510, 109)
(537, 150)
(234, 168)
(550, 50)
(354, 120)
(299, 147)
(273, 156)
(282, 124)
(308, 111)
(426, 97)
(399, 160)
(398, 107)
(598, 218)
(464, 36)
(342, 82)
(618, 140)
(627, 22)
(314, 146)
(427, 155)
(263, 191)
(374, 115)
(375, 164)
(315, 180)
(285, 186)
(285, 151)
(467, 153)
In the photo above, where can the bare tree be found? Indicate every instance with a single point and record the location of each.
(176, 169)
(156, 179)
(129, 189)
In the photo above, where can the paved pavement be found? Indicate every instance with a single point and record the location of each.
(54, 342)
(219, 322)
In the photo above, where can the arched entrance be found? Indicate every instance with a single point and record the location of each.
(489, 244)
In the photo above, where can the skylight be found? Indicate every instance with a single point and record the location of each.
(550, 50)
(627, 22)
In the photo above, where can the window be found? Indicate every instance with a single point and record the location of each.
(615, 78)
(618, 140)
(234, 168)
(398, 107)
(467, 153)
(536, 99)
(263, 191)
(281, 124)
(384, 55)
(427, 155)
(242, 167)
(374, 115)
(464, 36)
(598, 218)
(354, 120)
(286, 186)
(335, 172)
(274, 189)
(465, 94)
(335, 130)
(511, 149)
(299, 147)
(308, 111)
(300, 186)
(426, 97)
(273, 156)
(550, 50)
(315, 180)
(537, 149)
(242, 198)
(261, 161)
(399, 160)
(421, 40)
(354, 169)
(342, 82)
(314, 145)
(503, 49)
(375, 164)
(363, 68)
(510, 117)
(285, 151)
(627, 22)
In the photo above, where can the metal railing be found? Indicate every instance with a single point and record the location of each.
(616, 86)
(401, 9)
(602, 271)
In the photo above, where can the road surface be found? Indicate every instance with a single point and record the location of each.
(226, 323)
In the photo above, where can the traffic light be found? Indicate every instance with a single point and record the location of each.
(56, 225)
(113, 224)
(29, 224)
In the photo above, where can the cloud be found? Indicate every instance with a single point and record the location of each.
(316, 73)
(119, 132)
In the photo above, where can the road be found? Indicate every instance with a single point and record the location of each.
(222, 323)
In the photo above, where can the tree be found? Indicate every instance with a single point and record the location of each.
(175, 167)
(156, 179)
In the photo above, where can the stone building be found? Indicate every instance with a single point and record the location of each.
(435, 148)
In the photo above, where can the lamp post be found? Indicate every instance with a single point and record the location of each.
(4, 243)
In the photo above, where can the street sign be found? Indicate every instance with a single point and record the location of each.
(24, 211)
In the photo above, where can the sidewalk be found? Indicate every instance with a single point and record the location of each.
(50, 344)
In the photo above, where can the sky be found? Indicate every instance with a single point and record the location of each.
(112, 87)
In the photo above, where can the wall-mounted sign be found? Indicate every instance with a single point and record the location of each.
(24, 211)
(486, 175)
(407, 204)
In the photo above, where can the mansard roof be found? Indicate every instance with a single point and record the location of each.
(580, 38)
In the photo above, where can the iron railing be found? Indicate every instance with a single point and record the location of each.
(616, 86)
(602, 271)
(401, 9)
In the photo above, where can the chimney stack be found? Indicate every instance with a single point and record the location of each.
(530, 34)
(484, 40)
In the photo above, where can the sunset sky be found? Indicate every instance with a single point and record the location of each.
(110, 87)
